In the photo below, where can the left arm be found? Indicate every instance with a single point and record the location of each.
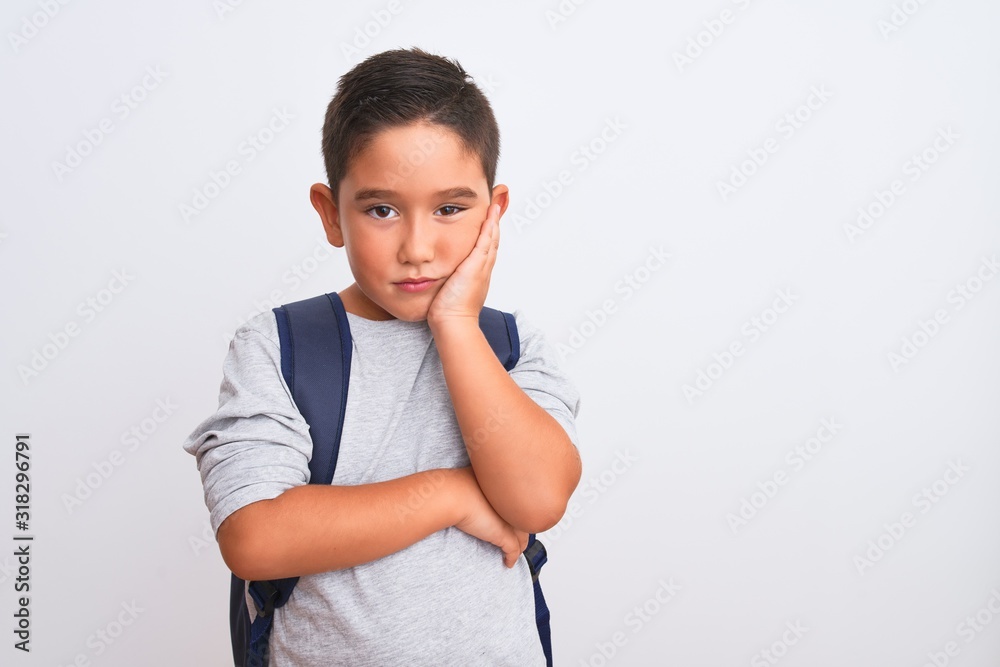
(525, 463)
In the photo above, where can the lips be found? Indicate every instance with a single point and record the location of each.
(416, 284)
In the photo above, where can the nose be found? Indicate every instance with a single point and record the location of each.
(418, 239)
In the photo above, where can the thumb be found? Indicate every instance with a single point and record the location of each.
(520, 544)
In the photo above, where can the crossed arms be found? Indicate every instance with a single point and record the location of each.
(524, 468)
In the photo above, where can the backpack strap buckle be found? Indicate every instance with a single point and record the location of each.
(536, 556)
(264, 595)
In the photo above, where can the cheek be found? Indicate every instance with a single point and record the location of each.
(458, 246)
(464, 239)
(367, 249)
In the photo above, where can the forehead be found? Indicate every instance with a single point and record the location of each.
(414, 160)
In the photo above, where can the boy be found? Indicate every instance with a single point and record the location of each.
(410, 146)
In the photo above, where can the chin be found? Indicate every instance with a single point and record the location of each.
(416, 316)
(403, 311)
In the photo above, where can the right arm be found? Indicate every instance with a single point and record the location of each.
(316, 528)
(253, 456)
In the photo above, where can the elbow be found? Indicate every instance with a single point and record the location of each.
(541, 523)
(543, 516)
(234, 550)
(547, 512)
(244, 552)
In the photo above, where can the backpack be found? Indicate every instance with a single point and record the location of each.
(315, 341)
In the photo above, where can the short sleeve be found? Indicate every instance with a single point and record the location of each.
(541, 377)
(257, 444)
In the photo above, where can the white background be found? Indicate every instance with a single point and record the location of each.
(142, 534)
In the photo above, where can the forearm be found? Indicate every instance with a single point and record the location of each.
(318, 528)
(525, 462)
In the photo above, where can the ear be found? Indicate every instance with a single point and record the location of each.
(322, 200)
(501, 195)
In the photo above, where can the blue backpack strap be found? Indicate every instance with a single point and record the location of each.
(536, 557)
(500, 330)
(317, 371)
(315, 341)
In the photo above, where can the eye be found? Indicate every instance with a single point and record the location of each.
(455, 209)
(377, 210)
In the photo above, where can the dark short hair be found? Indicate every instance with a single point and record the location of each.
(399, 87)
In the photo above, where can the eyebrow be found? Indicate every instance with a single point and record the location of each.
(365, 194)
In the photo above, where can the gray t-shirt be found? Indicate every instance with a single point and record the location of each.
(445, 600)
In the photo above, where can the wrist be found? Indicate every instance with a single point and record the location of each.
(456, 494)
(452, 325)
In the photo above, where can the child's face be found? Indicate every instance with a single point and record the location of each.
(411, 206)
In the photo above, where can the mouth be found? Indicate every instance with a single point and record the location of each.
(416, 284)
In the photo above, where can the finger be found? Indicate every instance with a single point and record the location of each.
(485, 239)
(496, 229)
(487, 227)
(490, 231)
(509, 553)
(520, 544)
(494, 225)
